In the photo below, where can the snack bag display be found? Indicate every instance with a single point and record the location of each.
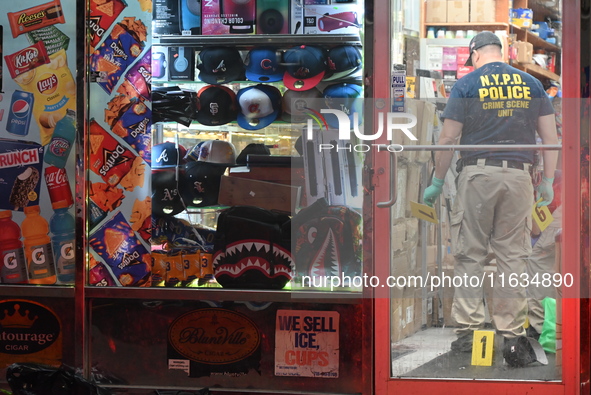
(127, 258)
(108, 157)
(54, 91)
(140, 75)
(35, 18)
(99, 275)
(130, 118)
(102, 15)
(141, 217)
(117, 52)
(102, 199)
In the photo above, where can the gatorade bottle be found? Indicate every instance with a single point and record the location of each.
(38, 248)
(63, 230)
(14, 266)
(59, 147)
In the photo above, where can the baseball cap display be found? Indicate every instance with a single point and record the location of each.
(166, 155)
(260, 105)
(480, 40)
(216, 105)
(263, 65)
(343, 61)
(220, 65)
(298, 104)
(344, 97)
(200, 184)
(305, 67)
(165, 195)
(216, 152)
(252, 149)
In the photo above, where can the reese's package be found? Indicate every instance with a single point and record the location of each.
(102, 15)
(108, 157)
(53, 88)
(130, 118)
(34, 18)
(128, 259)
(21, 164)
(118, 51)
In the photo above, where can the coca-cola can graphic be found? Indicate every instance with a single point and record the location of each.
(58, 185)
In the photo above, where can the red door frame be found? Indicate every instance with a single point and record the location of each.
(383, 383)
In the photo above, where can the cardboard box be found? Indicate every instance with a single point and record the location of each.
(236, 191)
(228, 17)
(296, 18)
(181, 63)
(436, 11)
(272, 17)
(458, 11)
(482, 11)
(524, 52)
(332, 19)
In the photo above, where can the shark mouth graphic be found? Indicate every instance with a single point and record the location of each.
(326, 262)
(254, 255)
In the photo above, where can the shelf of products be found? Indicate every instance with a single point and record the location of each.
(535, 40)
(220, 294)
(259, 39)
(537, 71)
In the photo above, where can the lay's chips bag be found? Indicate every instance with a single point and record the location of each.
(54, 90)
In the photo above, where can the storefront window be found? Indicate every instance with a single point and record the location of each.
(476, 276)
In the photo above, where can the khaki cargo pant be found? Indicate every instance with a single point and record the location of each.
(492, 208)
(542, 260)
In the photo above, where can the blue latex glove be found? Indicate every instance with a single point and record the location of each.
(433, 191)
(545, 191)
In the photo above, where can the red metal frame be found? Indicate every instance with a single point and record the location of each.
(571, 258)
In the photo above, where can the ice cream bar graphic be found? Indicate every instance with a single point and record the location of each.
(24, 187)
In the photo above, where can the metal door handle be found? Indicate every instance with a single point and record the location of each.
(393, 179)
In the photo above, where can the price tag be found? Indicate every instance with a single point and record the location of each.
(482, 348)
(541, 215)
(424, 212)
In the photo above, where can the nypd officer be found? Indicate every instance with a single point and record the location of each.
(494, 104)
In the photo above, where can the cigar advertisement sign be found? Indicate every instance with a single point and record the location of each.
(37, 141)
(307, 343)
(119, 134)
(29, 332)
(208, 342)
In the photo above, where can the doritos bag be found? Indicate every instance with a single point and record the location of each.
(252, 249)
(327, 241)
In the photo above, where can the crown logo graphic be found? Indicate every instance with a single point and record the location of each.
(16, 320)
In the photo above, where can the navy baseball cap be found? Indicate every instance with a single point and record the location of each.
(263, 65)
(480, 40)
(305, 67)
(220, 65)
(260, 105)
(344, 97)
(216, 105)
(166, 155)
(343, 61)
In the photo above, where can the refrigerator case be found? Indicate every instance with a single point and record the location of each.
(38, 90)
(119, 143)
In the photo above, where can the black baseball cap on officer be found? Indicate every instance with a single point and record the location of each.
(220, 65)
(480, 40)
